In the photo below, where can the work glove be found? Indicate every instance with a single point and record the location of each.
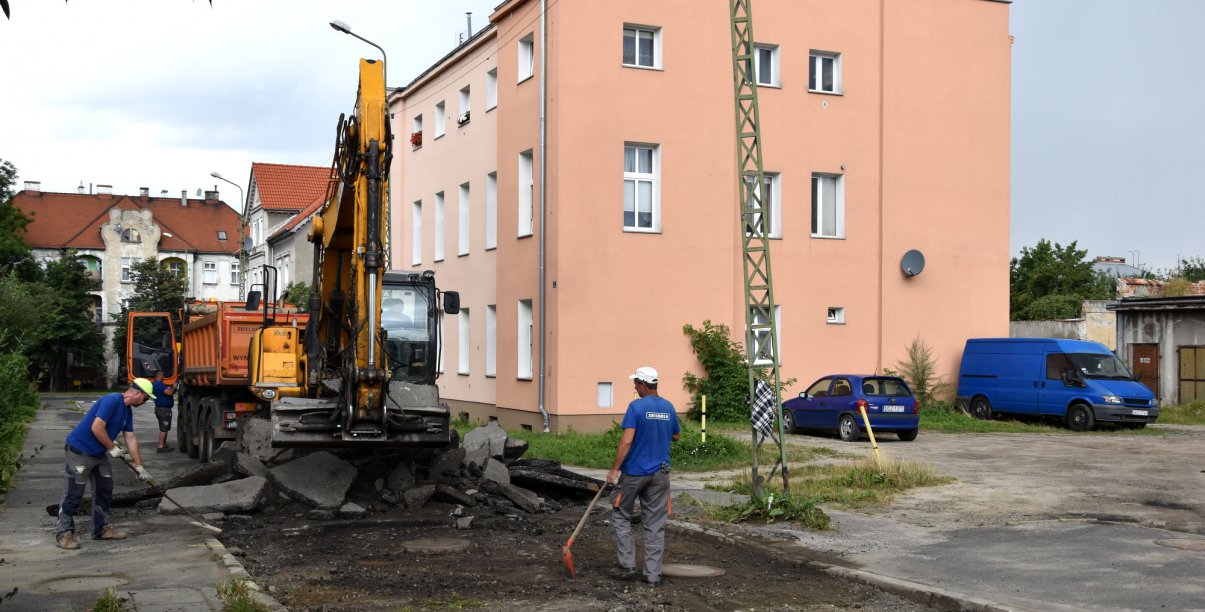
(142, 473)
(118, 452)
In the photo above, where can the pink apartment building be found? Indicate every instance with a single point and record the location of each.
(573, 174)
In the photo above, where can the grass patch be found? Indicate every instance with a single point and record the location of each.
(851, 485)
(109, 602)
(944, 417)
(771, 507)
(1192, 413)
(238, 596)
(455, 602)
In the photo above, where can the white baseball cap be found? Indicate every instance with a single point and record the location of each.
(645, 374)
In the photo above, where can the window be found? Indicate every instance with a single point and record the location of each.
(526, 194)
(284, 274)
(491, 211)
(491, 89)
(221, 235)
(209, 272)
(765, 59)
(525, 341)
(761, 336)
(527, 57)
(463, 117)
(93, 268)
(235, 268)
(641, 210)
(174, 266)
(642, 46)
(462, 222)
(439, 361)
(439, 119)
(491, 340)
(1056, 365)
(131, 235)
(416, 132)
(126, 264)
(466, 346)
(770, 204)
(416, 233)
(828, 206)
(439, 226)
(836, 315)
(824, 75)
(605, 395)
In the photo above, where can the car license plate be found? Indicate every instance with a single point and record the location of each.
(1139, 412)
(897, 409)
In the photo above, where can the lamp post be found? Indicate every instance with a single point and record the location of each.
(242, 236)
(339, 26)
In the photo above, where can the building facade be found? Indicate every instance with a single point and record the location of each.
(280, 197)
(1163, 341)
(573, 175)
(195, 238)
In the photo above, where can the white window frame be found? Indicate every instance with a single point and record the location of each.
(491, 340)
(758, 338)
(638, 32)
(606, 395)
(526, 194)
(440, 228)
(439, 362)
(416, 233)
(466, 98)
(818, 191)
(440, 120)
(772, 77)
(491, 90)
(836, 315)
(127, 265)
(527, 57)
(283, 272)
(816, 71)
(209, 272)
(235, 271)
(491, 211)
(773, 186)
(464, 342)
(463, 230)
(525, 342)
(636, 178)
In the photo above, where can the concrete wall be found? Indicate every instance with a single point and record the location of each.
(1071, 330)
(1170, 329)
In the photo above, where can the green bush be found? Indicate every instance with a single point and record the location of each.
(18, 401)
(726, 373)
(920, 370)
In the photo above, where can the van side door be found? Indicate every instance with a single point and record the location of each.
(1054, 393)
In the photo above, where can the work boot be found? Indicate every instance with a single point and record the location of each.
(108, 533)
(620, 572)
(66, 540)
(653, 581)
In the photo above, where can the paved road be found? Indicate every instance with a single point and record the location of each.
(165, 564)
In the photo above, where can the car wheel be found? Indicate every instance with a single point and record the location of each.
(1080, 418)
(847, 428)
(981, 408)
(908, 435)
(788, 422)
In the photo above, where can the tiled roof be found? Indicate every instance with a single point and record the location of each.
(288, 188)
(299, 218)
(72, 220)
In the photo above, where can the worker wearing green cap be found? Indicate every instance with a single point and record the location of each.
(88, 449)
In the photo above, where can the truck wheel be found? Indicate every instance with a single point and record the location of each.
(181, 431)
(981, 408)
(1080, 418)
(205, 452)
(847, 428)
(191, 435)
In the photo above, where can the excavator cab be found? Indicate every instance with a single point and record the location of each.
(151, 346)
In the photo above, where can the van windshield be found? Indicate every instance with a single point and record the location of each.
(1094, 365)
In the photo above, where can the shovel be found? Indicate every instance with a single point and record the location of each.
(196, 519)
(566, 553)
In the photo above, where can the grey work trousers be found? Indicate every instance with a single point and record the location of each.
(80, 470)
(653, 492)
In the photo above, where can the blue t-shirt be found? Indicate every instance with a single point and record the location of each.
(118, 417)
(162, 400)
(655, 422)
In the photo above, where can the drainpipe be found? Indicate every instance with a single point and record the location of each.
(543, 209)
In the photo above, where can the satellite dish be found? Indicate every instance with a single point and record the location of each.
(912, 263)
(247, 244)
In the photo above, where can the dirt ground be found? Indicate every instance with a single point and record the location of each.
(514, 563)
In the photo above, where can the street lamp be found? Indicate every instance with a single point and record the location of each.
(339, 26)
(242, 236)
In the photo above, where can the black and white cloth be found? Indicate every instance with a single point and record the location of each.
(763, 408)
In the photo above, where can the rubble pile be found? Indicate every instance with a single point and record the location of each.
(480, 478)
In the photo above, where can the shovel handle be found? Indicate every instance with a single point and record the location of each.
(160, 491)
(586, 514)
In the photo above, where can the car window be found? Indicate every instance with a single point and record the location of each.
(1056, 364)
(841, 387)
(885, 387)
(819, 388)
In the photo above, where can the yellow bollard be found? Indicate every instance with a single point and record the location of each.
(703, 433)
(878, 460)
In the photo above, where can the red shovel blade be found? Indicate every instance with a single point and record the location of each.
(567, 558)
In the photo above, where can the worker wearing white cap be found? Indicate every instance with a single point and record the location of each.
(88, 449)
(641, 470)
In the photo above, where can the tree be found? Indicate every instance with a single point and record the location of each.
(297, 294)
(156, 289)
(1051, 281)
(67, 335)
(14, 254)
(1191, 269)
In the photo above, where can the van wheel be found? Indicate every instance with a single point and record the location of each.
(981, 408)
(908, 436)
(788, 422)
(847, 428)
(1080, 418)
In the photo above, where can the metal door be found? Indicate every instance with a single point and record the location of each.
(1146, 365)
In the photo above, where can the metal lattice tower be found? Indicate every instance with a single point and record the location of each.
(761, 333)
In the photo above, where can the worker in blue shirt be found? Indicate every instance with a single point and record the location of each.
(88, 449)
(641, 471)
(164, 401)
